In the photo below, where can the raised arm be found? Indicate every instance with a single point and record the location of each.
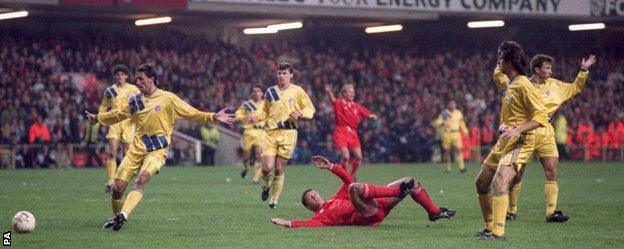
(500, 79)
(324, 163)
(569, 90)
(330, 92)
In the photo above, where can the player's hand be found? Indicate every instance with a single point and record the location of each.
(295, 115)
(224, 117)
(91, 117)
(373, 117)
(251, 118)
(280, 222)
(329, 88)
(585, 64)
(321, 162)
(509, 133)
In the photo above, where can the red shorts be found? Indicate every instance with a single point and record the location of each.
(383, 209)
(345, 137)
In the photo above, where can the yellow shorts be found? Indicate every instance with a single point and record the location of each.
(280, 142)
(515, 151)
(253, 137)
(122, 131)
(451, 140)
(134, 162)
(545, 145)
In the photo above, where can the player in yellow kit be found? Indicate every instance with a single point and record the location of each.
(154, 112)
(284, 104)
(554, 94)
(452, 123)
(522, 112)
(115, 96)
(253, 134)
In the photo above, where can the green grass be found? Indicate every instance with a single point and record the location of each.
(196, 207)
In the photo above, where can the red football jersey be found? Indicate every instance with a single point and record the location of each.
(338, 210)
(348, 113)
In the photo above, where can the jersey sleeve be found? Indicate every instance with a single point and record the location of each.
(106, 103)
(500, 79)
(341, 173)
(363, 111)
(240, 113)
(304, 104)
(534, 105)
(307, 223)
(186, 111)
(116, 115)
(569, 90)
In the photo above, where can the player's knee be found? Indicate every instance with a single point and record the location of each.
(141, 180)
(346, 157)
(482, 186)
(356, 189)
(551, 175)
(500, 185)
(357, 156)
(117, 190)
(111, 155)
(279, 171)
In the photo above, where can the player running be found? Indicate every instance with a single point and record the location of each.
(253, 134)
(347, 117)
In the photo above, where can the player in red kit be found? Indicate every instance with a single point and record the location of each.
(347, 115)
(360, 204)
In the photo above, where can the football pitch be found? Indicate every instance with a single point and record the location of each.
(212, 207)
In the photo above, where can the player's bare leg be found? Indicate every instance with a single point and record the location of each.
(278, 181)
(345, 157)
(459, 158)
(482, 183)
(257, 164)
(268, 163)
(364, 206)
(356, 159)
(551, 190)
(111, 163)
(446, 159)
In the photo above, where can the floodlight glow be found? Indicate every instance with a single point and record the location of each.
(486, 24)
(385, 28)
(258, 31)
(586, 26)
(283, 26)
(151, 21)
(14, 14)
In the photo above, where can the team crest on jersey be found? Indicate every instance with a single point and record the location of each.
(158, 108)
(509, 100)
(291, 101)
(547, 93)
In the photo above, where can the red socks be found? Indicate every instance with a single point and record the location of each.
(420, 196)
(374, 191)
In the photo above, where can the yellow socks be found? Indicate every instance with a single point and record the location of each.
(499, 213)
(485, 201)
(116, 205)
(551, 193)
(446, 158)
(257, 172)
(111, 167)
(459, 159)
(276, 188)
(514, 196)
(132, 200)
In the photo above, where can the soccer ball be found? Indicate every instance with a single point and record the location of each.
(23, 222)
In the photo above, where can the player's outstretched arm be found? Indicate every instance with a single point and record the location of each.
(329, 89)
(111, 117)
(222, 116)
(324, 163)
(280, 222)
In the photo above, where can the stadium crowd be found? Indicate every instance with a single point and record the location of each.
(48, 80)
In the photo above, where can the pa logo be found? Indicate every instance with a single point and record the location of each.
(6, 238)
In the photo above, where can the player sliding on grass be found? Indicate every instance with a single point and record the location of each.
(360, 204)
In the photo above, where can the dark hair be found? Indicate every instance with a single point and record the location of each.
(121, 68)
(539, 59)
(257, 86)
(285, 65)
(149, 71)
(303, 200)
(512, 51)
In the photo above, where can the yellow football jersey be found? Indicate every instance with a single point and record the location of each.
(154, 117)
(553, 92)
(279, 103)
(247, 108)
(115, 96)
(452, 121)
(522, 104)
